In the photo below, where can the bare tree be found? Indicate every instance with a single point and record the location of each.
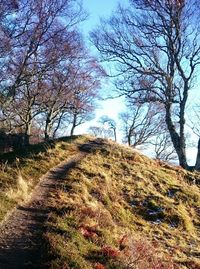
(96, 131)
(109, 126)
(70, 91)
(79, 113)
(143, 124)
(43, 45)
(194, 125)
(34, 28)
(139, 124)
(163, 148)
(157, 55)
(44, 88)
(85, 91)
(21, 111)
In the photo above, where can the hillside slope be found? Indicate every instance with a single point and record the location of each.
(120, 209)
(116, 209)
(21, 171)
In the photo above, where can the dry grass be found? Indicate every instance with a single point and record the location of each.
(21, 171)
(114, 206)
(115, 193)
(20, 193)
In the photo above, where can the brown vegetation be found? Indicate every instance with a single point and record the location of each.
(119, 209)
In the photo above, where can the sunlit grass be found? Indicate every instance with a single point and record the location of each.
(20, 171)
(116, 192)
(113, 200)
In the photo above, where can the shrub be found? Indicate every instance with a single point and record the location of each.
(110, 252)
(99, 266)
(88, 232)
(140, 254)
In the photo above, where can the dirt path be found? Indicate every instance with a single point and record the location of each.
(21, 235)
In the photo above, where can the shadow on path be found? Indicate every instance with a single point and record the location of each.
(21, 235)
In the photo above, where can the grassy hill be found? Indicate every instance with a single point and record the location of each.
(117, 209)
(120, 209)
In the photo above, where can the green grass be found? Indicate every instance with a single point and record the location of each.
(117, 193)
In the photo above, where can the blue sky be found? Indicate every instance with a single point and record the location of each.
(111, 108)
(97, 9)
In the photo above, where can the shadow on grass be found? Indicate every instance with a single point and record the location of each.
(31, 150)
(24, 246)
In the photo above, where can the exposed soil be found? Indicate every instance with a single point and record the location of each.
(21, 234)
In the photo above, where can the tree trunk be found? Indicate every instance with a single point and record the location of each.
(178, 141)
(72, 130)
(46, 136)
(115, 134)
(197, 165)
(73, 124)
(27, 133)
(47, 128)
(129, 137)
(57, 127)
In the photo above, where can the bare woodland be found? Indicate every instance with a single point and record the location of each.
(155, 48)
(49, 80)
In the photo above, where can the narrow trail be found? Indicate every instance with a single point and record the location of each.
(21, 234)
